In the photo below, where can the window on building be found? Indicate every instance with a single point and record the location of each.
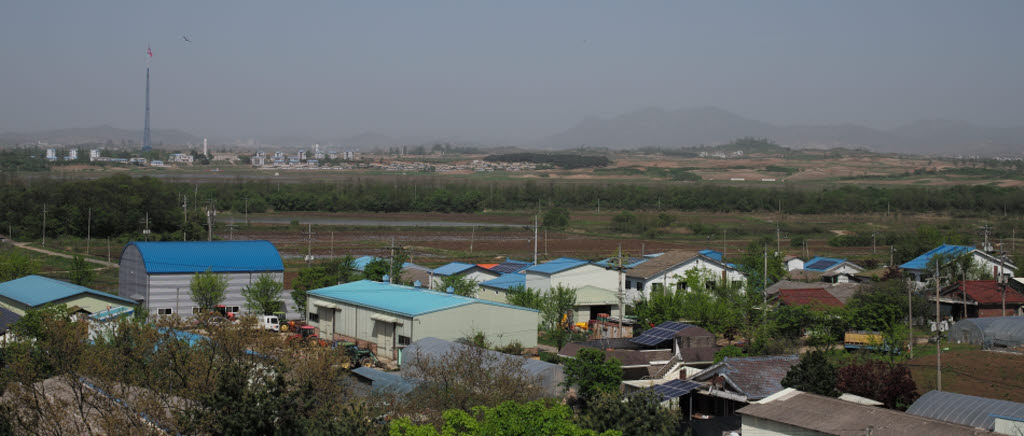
(629, 284)
(710, 284)
(164, 311)
(680, 286)
(403, 340)
(232, 309)
(657, 288)
(314, 317)
(195, 311)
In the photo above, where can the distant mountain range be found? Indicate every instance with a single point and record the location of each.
(655, 127)
(100, 134)
(652, 127)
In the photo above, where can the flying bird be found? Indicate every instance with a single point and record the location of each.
(186, 38)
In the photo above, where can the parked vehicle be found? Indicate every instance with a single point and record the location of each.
(307, 334)
(269, 322)
(293, 325)
(357, 356)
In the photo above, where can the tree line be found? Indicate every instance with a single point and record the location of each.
(119, 204)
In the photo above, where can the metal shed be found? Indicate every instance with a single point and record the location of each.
(1006, 331)
(159, 273)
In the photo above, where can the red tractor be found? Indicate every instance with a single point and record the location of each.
(223, 311)
(307, 334)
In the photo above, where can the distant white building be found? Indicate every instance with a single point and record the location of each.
(51, 154)
(73, 154)
(350, 155)
(181, 158)
(94, 154)
(302, 155)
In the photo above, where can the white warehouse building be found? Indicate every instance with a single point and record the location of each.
(158, 274)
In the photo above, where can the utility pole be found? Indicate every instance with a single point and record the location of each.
(145, 222)
(764, 290)
(332, 245)
(472, 236)
(725, 246)
(309, 243)
(778, 239)
(44, 224)
(210, 213)
(535, 234)
(910, 320)
(938, 332)
(1003, 278)
(88, 233)
(873, 236)
(184, 206)
(621, 293)
(231, 230)
(545, 242)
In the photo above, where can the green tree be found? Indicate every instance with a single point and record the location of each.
(591, 374)
(207, 289)
(508, 418)
(638, 414)
(626, 222)
(882, 304)
(376, 269)
(728, 351)
(752, 264)
(80, 273)
(522, 296)
(14, 265)
(892, 385)
(558, 303)
(343, 269)
(461, 285)
(308, 279)
(814, 374)
(556, 218)
(264, 295)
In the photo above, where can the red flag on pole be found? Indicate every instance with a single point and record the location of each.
(149, 50)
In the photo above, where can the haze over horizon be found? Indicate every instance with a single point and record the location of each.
(503, 72)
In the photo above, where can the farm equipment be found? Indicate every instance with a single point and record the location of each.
(867, 340)
(358, 356)
(223, 311)
(306, 334)
(292, 325)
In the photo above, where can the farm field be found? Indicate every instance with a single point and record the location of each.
(991, 374)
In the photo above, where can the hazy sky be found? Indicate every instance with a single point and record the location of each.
(511, 70)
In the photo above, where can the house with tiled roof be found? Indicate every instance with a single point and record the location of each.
(667, 349)
(979, 299)
(737, 381)
(667, 272)
(922, 268)
(815, 298)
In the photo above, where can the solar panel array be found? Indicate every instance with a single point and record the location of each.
(821, 264)
(675, 389)
(509, 267)
(659, 334)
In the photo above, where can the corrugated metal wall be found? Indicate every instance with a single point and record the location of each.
(500, 324)
(172, 291)
(132, 278)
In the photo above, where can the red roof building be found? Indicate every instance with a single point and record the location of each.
(808, 297)
(984, 299)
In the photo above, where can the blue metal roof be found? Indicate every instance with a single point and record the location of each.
(627, 262)
(506, 281)
(361, 262)
(453, 268)
(217, 256)
(34, 291)
(402, 300)
(557, 265)
(922, 262)
(822, 264)
(712, 254)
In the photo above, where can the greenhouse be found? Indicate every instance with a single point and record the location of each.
(1006, 331)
